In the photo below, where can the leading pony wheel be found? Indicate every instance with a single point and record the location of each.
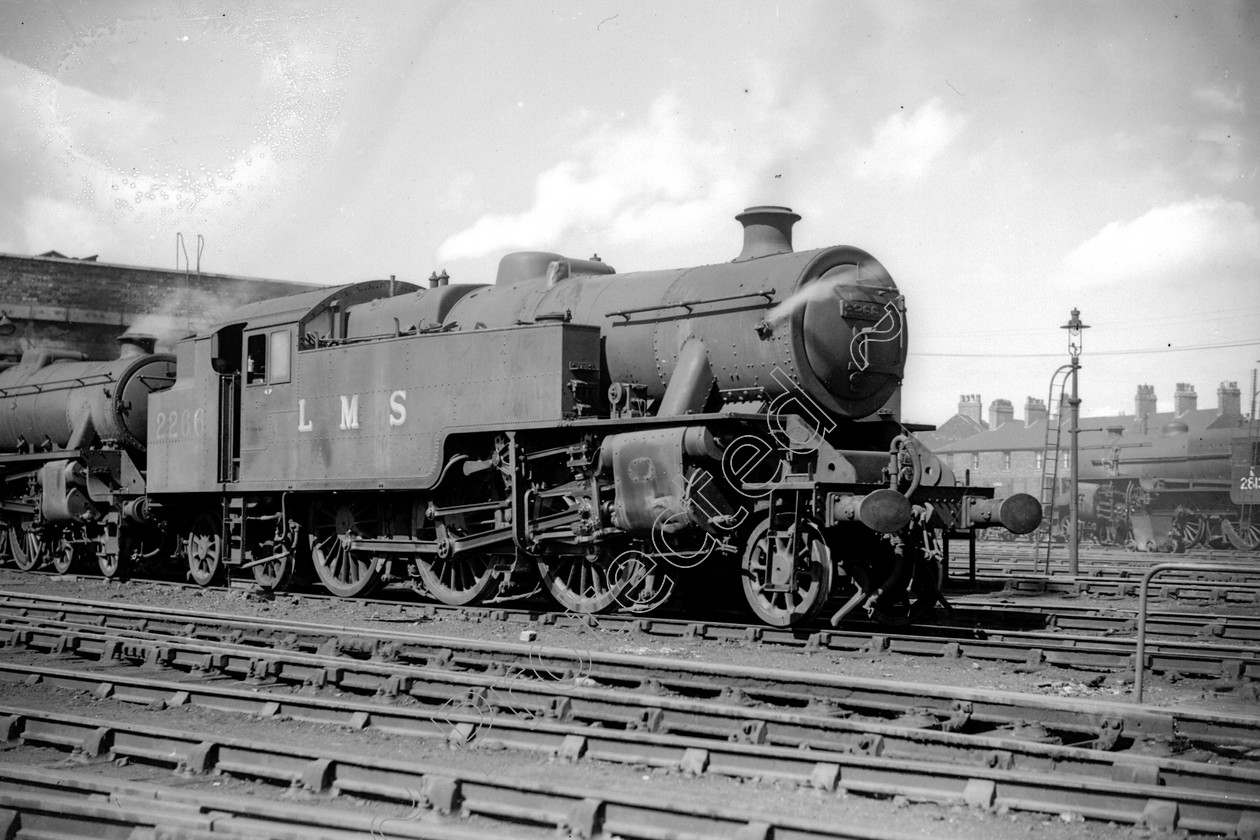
(67, 554)
(787, 574)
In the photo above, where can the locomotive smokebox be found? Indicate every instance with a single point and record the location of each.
(767, 231)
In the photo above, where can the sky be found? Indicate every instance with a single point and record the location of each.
(1006, 161)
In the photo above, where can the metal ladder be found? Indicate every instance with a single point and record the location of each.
(1050, 457)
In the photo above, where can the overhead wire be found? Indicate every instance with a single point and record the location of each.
(1136, 352)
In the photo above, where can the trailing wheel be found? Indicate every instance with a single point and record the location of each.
(787, 573)
(273, 541)
(274, 572)
(334, 523)
(204, 548)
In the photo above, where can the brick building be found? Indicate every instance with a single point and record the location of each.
(1008, 453)
(81, 304)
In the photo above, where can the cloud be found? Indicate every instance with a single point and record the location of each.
(1202, 240)
(675, 170)
(50, 224)
(1220, 99)
(1217, 154)
(72, 185)
(903, 148)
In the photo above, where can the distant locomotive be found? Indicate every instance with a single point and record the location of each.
(607, 437)
(1171, 490)
(72, 434)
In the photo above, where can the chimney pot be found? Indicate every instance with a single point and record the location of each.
(767, 231)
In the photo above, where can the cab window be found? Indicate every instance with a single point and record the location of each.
(256, 359)
(279, 362)
(267, 358)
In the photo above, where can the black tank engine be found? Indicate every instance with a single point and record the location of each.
(619, 440)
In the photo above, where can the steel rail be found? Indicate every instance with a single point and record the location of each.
(572, 740)
(1126, 587)
(648, 693)
(1233, 572)
(1026, 550)
(1109, 620)
(1240, 563)
(616, 698)
(56, 804)
(1020, 647)
(1239, 585)
(1058, 616)
(966, 614)
(587, 812)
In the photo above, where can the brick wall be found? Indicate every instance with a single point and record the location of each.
(81, 305)
(1023, 475)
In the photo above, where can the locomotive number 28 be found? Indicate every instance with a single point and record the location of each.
(177, 425)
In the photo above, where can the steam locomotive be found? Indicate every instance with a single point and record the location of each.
(1169, 490)
(614, 440)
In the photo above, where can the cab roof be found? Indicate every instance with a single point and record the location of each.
(301, 307)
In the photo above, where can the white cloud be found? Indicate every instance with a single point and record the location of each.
(1217, 154)
(1196, 241)
(903, 148)
(70, 143)
(50, 224)
(1220, 99)
(668, 175)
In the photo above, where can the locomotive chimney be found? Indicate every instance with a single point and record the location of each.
(767, 231)
(135, 344)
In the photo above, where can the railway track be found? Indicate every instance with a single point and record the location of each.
(42, 803)
(1006, 560)
(921, 756)
(436, 798)
(388, 662)
(985, 749)
(1200, 656)
(1106, 620)
(1140, 794)
(967, 614)
(1173, 588)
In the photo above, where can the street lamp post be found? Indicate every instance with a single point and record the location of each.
(1075, 343)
